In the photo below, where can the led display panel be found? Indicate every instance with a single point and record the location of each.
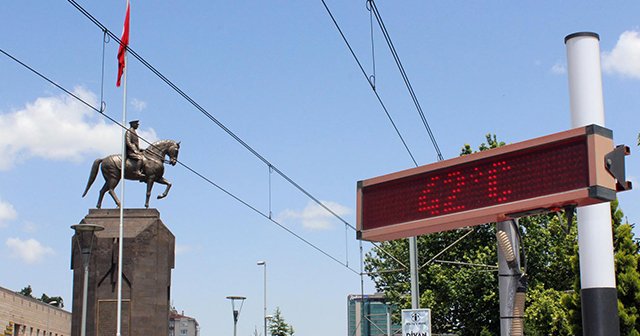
(542, 174)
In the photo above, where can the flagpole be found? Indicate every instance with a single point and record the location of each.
(122, 70)
(122, 164)
(125, 35)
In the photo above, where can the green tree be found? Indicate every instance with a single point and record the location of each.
(53, 300)
(545, 314)
(464, 299)
(278, 326)
(27, 291)
(627, 263)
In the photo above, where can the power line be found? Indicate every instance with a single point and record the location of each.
(371, 83)
(392, 48)
(107, 32)
(187, 167)
(205, 112)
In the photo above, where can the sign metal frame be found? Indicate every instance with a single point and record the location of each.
(601, 187)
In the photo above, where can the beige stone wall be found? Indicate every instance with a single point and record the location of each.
(30, 317)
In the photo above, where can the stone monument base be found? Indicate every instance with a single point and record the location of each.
(148, 258)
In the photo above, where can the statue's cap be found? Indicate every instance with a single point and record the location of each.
(134, 122)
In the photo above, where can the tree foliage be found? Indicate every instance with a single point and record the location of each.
(278, 326)
(27, 291)
(627, 264)
(56, 301)
(545, 314)
(463, 298)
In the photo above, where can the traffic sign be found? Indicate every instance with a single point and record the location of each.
(416, 322)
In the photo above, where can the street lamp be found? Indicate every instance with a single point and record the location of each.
(268, 319)
(84, 237)
(236, 312)
(264, 263)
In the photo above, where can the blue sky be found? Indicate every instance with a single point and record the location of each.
(279, 76)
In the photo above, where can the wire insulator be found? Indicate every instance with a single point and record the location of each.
(517, 324)
(505, 246)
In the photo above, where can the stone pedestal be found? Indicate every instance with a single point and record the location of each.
(148, 257)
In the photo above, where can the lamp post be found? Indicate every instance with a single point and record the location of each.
(268, 319)
(264, 263)
(236, 312)
(84, 237)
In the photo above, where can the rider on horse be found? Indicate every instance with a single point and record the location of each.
(133, 148)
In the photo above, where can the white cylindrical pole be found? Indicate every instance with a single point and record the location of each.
(121, 227)
(595, 237)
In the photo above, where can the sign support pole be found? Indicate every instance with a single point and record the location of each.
(508, 277)
(413, 269)
(595, 237)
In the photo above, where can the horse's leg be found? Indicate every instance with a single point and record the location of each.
(115, 198)
(112, 185)
(104, 189)
(164, 181)
(149, 187)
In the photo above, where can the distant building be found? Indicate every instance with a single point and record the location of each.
(25, 316)
(370, 316)
(181, 325)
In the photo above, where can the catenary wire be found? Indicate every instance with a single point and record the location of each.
(405, 77)
(371, 84)
(187, 167)
(227, 130)
(206, 113)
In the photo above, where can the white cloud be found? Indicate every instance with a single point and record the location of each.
(138, 104)
(30, 251)
(29, 227)
(58, 128)
(183, 249)
(624, 59)
(7, 213)
(315, 217)
(559, 69)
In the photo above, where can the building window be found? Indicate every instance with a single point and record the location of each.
(184, 331)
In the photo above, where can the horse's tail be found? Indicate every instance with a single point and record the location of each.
(93, 175)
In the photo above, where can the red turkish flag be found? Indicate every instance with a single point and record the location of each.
(124, 42)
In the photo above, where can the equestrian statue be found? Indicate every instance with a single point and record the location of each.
(145, 165)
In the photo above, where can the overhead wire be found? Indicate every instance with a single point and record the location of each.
(187, 167)
(108, 33)
(207, 114)
(405, 77)
(371, 6)
(227, 130)
(371, 84)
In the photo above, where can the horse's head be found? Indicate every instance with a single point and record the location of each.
(173, 153)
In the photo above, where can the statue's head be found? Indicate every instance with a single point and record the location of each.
(173, 153)
(134, 123)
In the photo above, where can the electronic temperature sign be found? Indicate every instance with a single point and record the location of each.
(511, 181)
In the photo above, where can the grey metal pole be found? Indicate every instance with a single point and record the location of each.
(388, 320)
(84, 248)
(235, 321)
(264, 317)
(507, 276)
(413, 268)
(599, 295)
(265, 299)
(85, 290)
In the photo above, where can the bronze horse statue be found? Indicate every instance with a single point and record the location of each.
(152, 167)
